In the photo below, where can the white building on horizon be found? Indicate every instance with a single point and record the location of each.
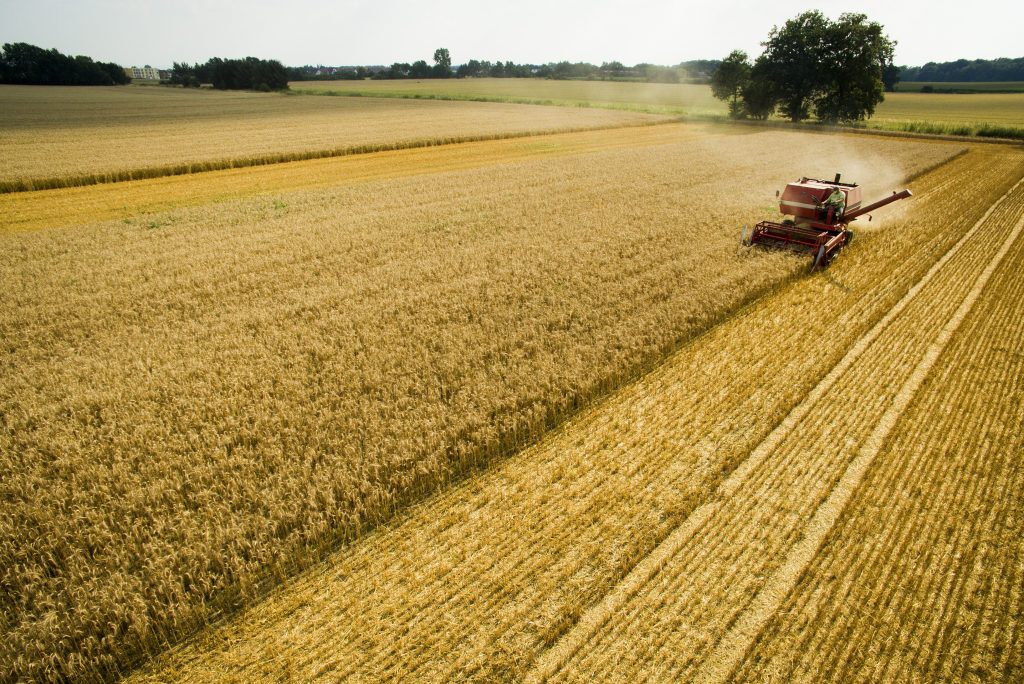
(148, 73)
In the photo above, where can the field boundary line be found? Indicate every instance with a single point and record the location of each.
(594, 618)
(733, 647)
(271, 158)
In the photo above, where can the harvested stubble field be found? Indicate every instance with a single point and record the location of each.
(55, 136)
(736, 512)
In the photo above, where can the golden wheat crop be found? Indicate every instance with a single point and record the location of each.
(61, 207)
(482, 580)
(53, 136)
(210, 396)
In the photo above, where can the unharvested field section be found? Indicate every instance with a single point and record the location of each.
(54, 136)
(481, 582)
(212, 395)
(139, 200)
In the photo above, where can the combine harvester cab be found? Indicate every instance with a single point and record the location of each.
(813, 224)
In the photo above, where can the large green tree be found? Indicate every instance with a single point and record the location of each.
(833, 68)
(729, 80)
(793, 63)
(758, 97)
(442, 63)
(856, 53)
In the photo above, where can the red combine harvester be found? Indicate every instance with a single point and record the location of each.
(820, 218)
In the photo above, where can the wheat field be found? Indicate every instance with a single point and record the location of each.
(738, 512)
(698, 614)
(61, 207)
(675, 98)
(498, 401)
(214, 394)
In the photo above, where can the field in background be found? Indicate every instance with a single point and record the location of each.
(220, 392)
(64, 136)
(984, 114)
(667, 98)
(824, 487)
(55, 136)
(992, 114)
(962, 86)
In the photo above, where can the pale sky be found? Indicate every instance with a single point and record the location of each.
(348, 32)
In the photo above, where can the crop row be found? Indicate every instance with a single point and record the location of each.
(480, 582)
(922, 580)
(132, 201)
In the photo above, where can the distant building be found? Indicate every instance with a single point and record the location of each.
(145, 73)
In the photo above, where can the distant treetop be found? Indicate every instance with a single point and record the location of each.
(963, 70)
(250, 73)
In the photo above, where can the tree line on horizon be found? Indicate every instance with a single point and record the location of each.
(22, 63)
(249, 73)
(25, 64)
(966, 71)
(694, 71)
